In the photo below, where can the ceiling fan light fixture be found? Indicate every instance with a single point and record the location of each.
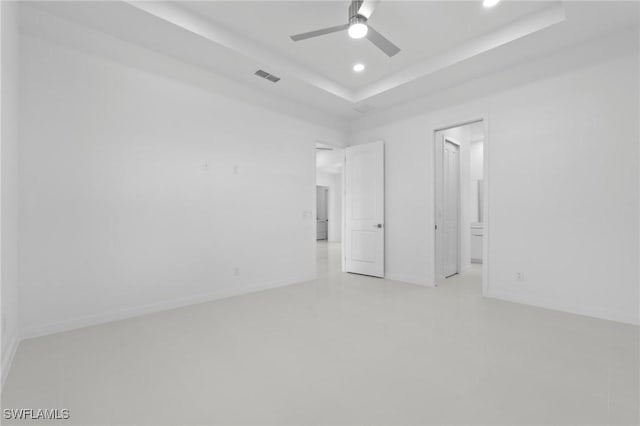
(358, 67)
(358, 30)
(358, 27)
(490, 3)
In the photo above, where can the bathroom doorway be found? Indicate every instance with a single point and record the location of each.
(459, 199)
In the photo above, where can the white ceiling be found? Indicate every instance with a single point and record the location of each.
(420, 29)
(444, 43)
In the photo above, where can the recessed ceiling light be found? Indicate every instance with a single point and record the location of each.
(358, 67)
(490, 3)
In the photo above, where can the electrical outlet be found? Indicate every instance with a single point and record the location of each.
(236, 271)
(236, 170)
(520, 276)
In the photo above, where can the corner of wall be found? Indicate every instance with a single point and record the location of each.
(9, 87)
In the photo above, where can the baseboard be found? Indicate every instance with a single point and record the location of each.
(8, 355)
(87, 321)
(409, 280)
(571, 309)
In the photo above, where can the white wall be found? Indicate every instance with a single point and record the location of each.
(334, 182)
(9, 167)
(563, 171)
(140, 192)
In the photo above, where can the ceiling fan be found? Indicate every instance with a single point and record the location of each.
(359, 13)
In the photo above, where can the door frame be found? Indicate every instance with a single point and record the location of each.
(433, 130)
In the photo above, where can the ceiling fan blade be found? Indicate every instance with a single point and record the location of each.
(367, 7)
(382, 43)
(317, 33)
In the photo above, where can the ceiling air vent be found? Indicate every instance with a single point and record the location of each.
(272, 78)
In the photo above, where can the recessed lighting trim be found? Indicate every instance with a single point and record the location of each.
(490, 3)
(358, 67)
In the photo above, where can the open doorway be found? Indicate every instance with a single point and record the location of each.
(322, 213)
(329, 194)
(460, 204)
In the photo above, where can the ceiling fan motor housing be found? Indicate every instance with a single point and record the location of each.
(354, 17)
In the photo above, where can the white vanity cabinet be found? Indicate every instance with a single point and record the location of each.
(476, 242)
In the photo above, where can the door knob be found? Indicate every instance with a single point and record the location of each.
(378, 225)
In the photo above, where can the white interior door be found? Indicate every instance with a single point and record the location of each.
(322, 213)
(364, 210)
(451, 208)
